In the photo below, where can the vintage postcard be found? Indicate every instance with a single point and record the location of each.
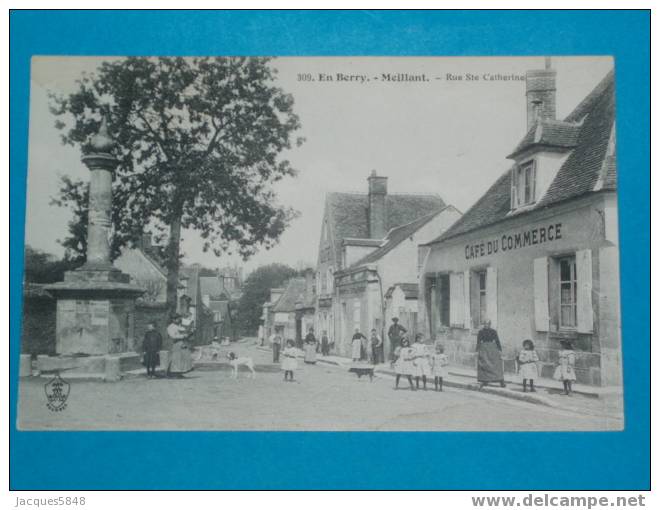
(322, 244)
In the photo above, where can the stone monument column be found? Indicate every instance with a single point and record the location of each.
(96, 302)
(101, 164)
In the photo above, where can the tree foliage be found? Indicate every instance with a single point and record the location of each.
(42, 267)
(256, 291)
(200, 142)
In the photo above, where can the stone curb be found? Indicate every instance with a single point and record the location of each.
(451, 383)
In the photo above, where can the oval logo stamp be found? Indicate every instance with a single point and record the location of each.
(57, 392)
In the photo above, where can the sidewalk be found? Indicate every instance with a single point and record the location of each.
(586, 399)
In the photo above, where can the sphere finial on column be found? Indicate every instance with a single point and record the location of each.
(101, 141)
(101, 145)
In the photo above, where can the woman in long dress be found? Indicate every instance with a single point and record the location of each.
(310, 347)
(180, 355)
(356, 346)
(489, 357)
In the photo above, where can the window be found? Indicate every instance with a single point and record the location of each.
(330, 279)
(483, 304)
(567, 293)
(324, 284)
(523, 185)
(357, 315)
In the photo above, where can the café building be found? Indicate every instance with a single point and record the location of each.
(538, 253)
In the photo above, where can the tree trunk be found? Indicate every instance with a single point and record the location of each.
(173, 264)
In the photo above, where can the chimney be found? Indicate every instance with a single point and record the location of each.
(541, 93)
(145, 241)
(377, 213)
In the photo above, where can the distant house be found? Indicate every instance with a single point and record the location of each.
(294, 310)
(369, 243)
(217, 299)
(141, 263)
(268, 313)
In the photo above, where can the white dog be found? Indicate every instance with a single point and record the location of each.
(236, 362)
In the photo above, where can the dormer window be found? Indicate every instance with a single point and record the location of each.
(523, 185)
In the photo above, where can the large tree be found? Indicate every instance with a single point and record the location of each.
(199, 143)
(256, 291)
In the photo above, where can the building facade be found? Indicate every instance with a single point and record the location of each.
(538, 253)
(293, 313)
(369, 242)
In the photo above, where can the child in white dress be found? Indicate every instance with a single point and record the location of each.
(289, 361)
(527, 365)
(565, 371)
(421, 364)
(403, 364)
(438, 363)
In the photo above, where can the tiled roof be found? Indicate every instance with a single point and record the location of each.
(348, 213)
(295, 292)
(410, 290)
(395, 237)
(549, 133)
(587, 169)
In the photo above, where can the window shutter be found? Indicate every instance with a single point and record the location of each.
(491, 295)
(466, 299)
(456, 299)
(585, 311)
(514, 191)
(541, 312)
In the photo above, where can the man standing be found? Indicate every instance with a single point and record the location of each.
(276, 343)
(376, 347)
(325, 344)
(489, 357)
(151, 346)
(395, 334)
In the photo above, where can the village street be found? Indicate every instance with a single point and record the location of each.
(323, 397)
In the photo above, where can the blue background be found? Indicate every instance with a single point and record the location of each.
(233, 460)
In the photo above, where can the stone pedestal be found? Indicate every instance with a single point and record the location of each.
(95, 311)
(96, 302)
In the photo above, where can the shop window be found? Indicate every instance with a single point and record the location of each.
(523, 185)
(567, 293)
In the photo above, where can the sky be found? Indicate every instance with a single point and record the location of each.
(445, 135)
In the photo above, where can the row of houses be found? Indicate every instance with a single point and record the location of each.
(537, 255)
(206, 302)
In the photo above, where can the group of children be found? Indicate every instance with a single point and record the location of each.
(415, 361)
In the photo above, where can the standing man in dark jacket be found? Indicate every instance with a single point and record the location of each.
(151, 346)
(395, 334)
